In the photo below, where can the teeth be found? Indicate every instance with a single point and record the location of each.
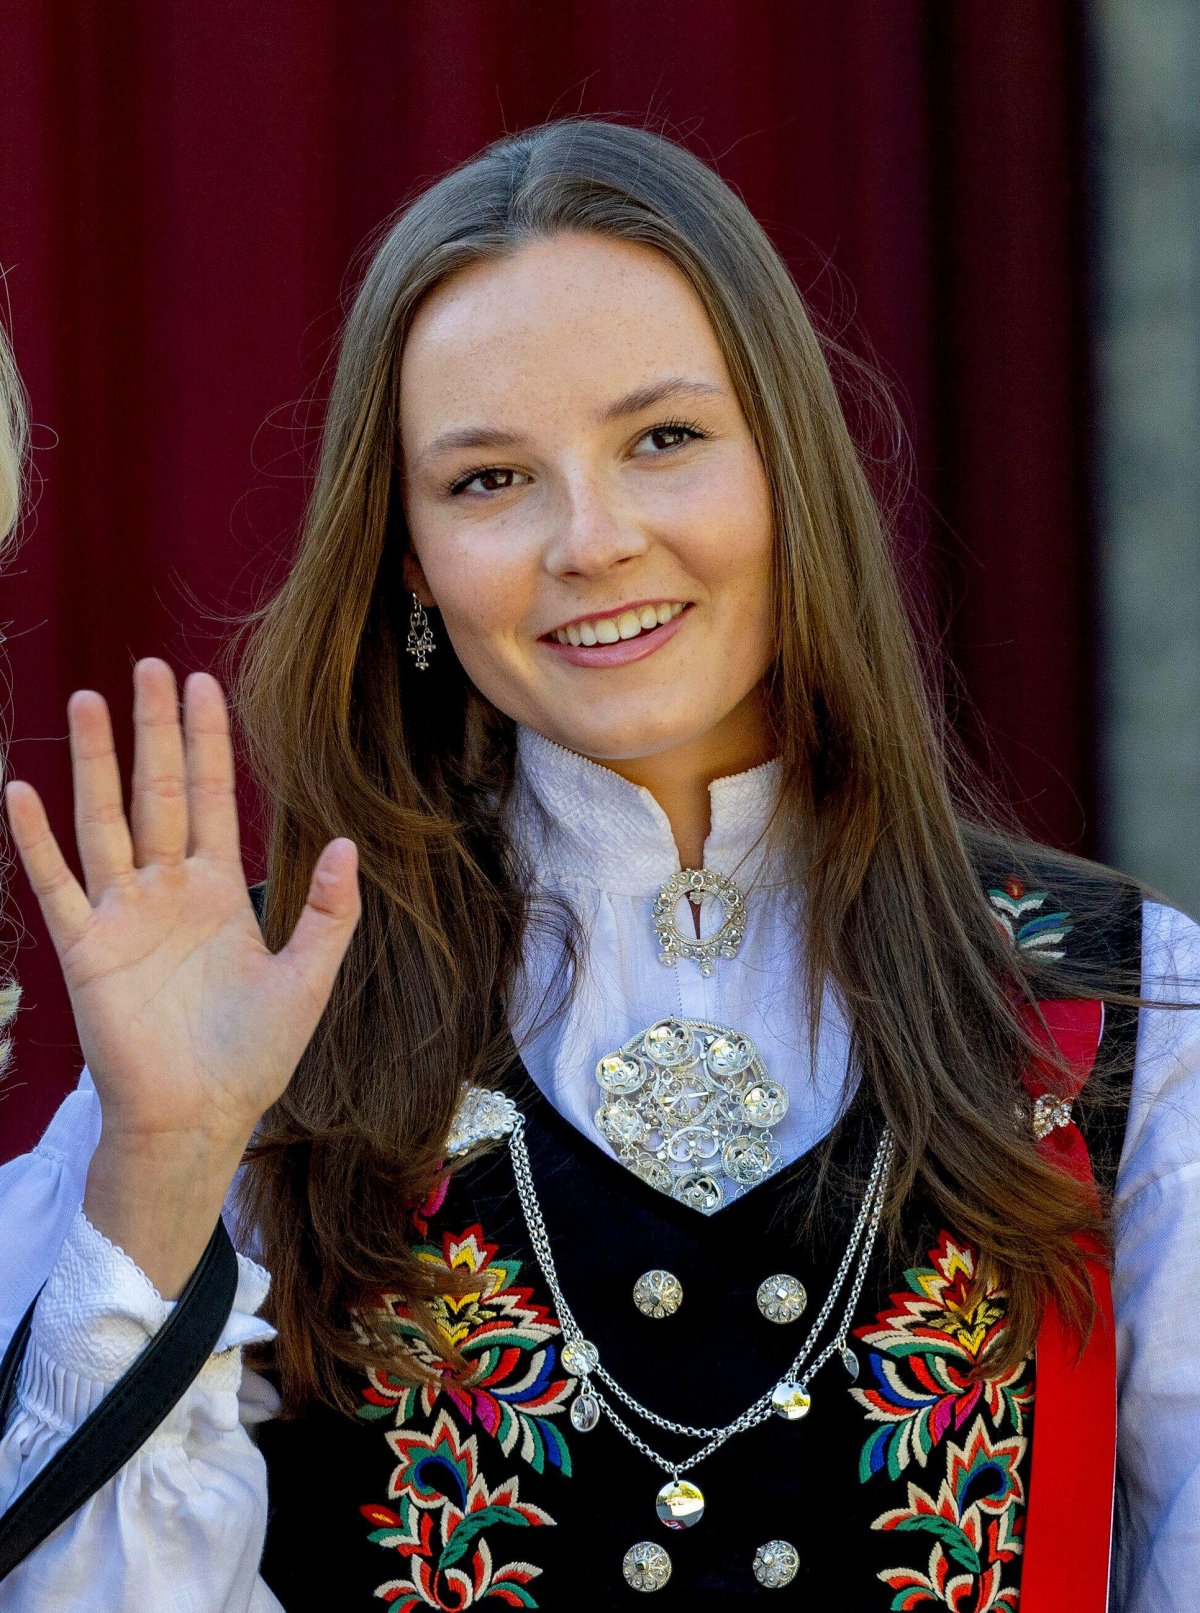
(611, 629)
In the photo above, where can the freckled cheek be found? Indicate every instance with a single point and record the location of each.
(485, 596)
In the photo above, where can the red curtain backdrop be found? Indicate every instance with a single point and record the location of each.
(184, 187)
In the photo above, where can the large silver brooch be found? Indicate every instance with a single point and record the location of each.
(689, 1108)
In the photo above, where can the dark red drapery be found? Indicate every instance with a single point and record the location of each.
(184, 186)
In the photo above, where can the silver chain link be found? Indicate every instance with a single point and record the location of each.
(867, 1222)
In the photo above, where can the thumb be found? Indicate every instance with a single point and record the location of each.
(318, 943)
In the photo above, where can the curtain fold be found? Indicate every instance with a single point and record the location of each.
(185, 188)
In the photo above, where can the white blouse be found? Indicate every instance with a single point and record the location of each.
(182, 1524)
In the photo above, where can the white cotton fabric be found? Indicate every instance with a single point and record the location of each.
(182, 1524)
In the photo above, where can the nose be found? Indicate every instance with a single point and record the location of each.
(593, 535)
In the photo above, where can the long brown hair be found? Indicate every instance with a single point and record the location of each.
(347, 741)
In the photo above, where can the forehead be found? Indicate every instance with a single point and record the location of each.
(548, 327)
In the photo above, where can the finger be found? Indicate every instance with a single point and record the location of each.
(60, 896)
(159, 808)
(318, 943)
(101, 831)
(211, 797)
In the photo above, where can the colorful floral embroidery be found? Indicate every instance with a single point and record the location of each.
(510, 1342)
(923, 1348)
(511, 1390)
(973, 1523)
(444, 1509)
(1018, 912)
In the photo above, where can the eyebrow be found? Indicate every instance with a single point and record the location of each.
(641, 397)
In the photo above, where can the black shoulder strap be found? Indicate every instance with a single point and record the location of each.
(130, 1411)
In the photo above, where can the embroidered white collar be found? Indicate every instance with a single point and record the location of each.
(585, 825)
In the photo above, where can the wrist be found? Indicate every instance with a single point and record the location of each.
(159, 1203)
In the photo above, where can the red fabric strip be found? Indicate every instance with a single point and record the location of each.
(1068, 1522)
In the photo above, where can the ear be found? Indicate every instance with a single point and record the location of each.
(414, 578)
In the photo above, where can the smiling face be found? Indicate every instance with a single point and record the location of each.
(586, 503)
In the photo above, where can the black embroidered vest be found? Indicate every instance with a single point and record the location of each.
(902, 1489)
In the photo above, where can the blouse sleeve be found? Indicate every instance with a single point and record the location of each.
(182, 1523)
(1156, 1284)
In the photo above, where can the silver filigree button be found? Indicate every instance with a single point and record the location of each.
(777, 1563)
(646, 1566)
(781, 1298)
(658, 1293)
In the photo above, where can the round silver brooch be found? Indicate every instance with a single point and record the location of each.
(776, 1563)
(696, 883)
(646, 1566)
(658, 1293)
(781, 1298)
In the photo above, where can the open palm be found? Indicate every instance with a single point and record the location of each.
(189, 1024)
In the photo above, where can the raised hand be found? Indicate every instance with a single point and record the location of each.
(189, 1024)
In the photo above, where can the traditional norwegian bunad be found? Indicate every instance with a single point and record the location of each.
(866, 1469)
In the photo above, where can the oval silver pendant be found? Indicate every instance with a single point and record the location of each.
(646, 1566)
(680, 1504)
(782, 1298)
(775, 1564)
(790, 1401)
(850, 1362)
(585, 1412)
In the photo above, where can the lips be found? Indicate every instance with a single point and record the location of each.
(624, 640)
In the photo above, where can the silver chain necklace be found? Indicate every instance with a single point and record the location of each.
(680, 1503)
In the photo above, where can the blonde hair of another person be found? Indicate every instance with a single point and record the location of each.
(13, 442)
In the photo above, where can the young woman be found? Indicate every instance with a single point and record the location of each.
(748, 1245)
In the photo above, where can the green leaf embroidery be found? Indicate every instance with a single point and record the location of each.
(958, 1547)
(474, 1524)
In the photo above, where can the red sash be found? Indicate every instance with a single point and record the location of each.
(1068, 1521)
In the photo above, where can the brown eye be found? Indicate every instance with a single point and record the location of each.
(683, 431)
(487, 474)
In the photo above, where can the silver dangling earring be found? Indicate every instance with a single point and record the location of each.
(420, 637)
